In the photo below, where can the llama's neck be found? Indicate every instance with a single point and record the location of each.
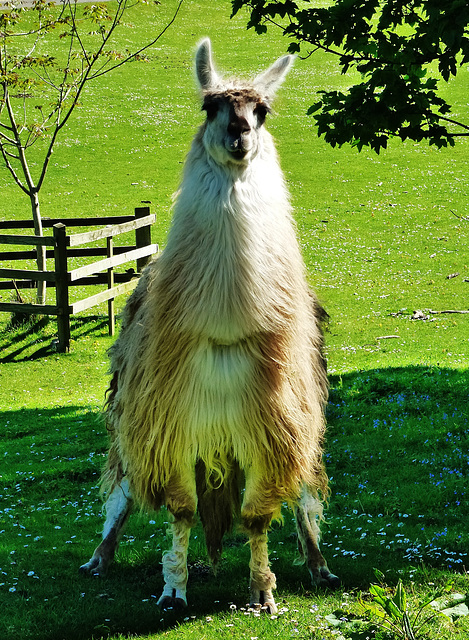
(231, 247)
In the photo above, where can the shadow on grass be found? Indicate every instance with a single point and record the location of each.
(397, 454)
(36, 337)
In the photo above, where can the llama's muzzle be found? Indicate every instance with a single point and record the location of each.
(236, 148)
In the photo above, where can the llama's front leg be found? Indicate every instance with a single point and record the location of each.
(175, 571)
(118, 507)
(181, 501)
(308, 512)
(262, 580)
(259, 506)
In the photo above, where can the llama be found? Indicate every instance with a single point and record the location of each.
(216, 402)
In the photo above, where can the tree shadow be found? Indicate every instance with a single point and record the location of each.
(397, 456)
(18, 341)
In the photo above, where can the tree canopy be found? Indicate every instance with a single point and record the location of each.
(401, 48)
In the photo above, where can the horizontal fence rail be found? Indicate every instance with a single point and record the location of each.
(64, 246)
(30, 240)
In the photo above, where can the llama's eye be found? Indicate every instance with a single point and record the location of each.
(211, 108)
(261, 112)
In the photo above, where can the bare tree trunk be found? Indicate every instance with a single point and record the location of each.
(41, 291)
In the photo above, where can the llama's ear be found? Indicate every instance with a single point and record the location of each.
(270, 80)
(205, 69)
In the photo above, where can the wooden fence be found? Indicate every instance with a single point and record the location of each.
(60, 247)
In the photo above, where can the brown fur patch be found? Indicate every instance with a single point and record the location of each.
(217, 507)
(307, 544)
(236, 99)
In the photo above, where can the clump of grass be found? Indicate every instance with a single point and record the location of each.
(394, 612)
(19, 318)
(26, 321)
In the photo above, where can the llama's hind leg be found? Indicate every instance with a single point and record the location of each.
(308, 512)
(118, 507)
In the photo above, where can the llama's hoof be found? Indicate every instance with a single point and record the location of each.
(96, 566)
(322, 577)
(263, 601)
(330, 579)
(175, 601)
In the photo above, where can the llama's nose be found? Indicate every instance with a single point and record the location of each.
(237, 127)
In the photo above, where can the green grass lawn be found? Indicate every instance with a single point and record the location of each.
(380, 239)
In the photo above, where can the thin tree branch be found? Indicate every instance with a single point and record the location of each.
(19, 146)
(13, 172)
(456, 123)
(464, 311)
(73, 13)
(9, 153)
(147, 46)
(4, 135)
(465, 218)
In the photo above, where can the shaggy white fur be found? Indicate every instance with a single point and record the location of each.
(175, 567)
(116, 505)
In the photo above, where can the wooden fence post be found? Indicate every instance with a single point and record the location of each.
(61, 287)
(110, 284)
(142, 236)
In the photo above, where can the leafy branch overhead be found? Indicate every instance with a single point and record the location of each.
(402, 49)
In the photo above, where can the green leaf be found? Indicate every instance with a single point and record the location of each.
(380, 597)
(447, 602)
(400, 599)
(379, 575)
(314, 107)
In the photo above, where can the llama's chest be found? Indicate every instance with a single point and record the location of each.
(222, 282)
(218, 392)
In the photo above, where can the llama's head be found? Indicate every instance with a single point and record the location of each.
(236, 111)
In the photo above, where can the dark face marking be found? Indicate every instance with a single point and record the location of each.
(237, 100)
